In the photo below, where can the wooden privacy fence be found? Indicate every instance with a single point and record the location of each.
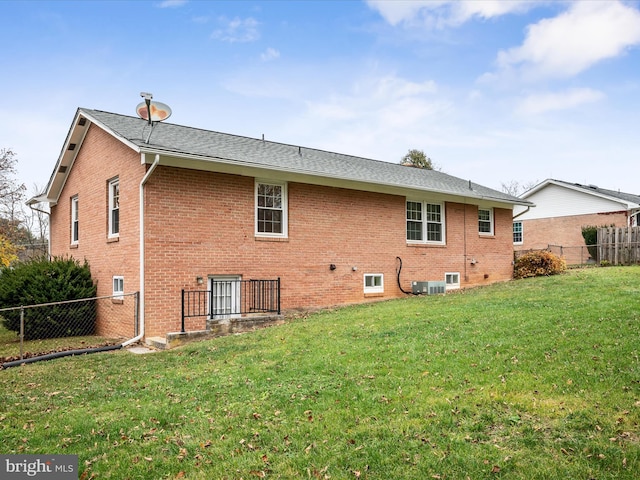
(619, 245)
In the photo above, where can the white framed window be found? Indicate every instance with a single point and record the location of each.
(271, 209)
(518, 233)
(373, 283)
(425, 222)
(74, 220)
(114, 207)
(452, 280)
(118, 286)
(485, 221)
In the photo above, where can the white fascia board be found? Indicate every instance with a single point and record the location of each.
(66, 159)
(115, 135)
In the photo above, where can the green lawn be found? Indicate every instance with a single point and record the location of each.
(531, 379)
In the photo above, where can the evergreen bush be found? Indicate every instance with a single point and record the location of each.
(41, 281)
(590, 235)
(538, 263)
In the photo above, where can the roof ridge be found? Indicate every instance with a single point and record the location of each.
(315, 149)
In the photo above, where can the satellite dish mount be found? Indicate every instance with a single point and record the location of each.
(147, 100)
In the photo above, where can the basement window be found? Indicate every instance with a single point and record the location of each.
(118, 287)
(373, 283)
(452, 280)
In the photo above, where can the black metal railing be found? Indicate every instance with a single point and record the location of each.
(227, 298)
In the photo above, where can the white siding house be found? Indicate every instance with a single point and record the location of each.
(554, 198)
(562, 209)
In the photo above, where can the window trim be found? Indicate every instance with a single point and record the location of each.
(451, 285)
(491, 222)
(118, 294)
(373, 288)
(424, 222)
(75, 226)
(111, 208)
(521, 232)
(284, 209)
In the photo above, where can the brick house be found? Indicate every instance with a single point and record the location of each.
(160, 208)
(562, 209)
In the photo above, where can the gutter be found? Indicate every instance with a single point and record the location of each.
(141, 307)
(323, 175)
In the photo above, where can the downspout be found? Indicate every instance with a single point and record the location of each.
(141, 297)
(522, 212)
(31, 203)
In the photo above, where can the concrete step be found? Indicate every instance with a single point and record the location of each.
(156, 342)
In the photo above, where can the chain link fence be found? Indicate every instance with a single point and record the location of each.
(575, 255)
(580, 255)
(35, 330)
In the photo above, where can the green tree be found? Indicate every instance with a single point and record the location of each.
(418, 159)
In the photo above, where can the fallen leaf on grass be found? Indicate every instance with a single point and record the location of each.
(183, 453)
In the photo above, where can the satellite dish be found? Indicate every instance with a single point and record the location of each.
(159, 111)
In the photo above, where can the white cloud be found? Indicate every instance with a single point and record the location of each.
(269, 54)
(379, 117)
(570, 43)
(172, 3)
(442, 13)
(546, 102)
(237, 30)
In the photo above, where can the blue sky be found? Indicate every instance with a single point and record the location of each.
(493, 91)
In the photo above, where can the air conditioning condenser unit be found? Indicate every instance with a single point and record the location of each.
(428, 288)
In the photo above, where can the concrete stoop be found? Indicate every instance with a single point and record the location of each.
(156, 342)
(215, 328)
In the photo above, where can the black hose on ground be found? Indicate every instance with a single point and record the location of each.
(66, 353)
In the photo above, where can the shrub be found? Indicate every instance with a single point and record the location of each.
(590, 235)
(538, 263)
(41, 281)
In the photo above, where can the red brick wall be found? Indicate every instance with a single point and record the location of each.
(202, 223)
(100, 159)
(565, 232)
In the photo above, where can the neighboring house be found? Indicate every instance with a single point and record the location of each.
(562, 209)
(160, 208)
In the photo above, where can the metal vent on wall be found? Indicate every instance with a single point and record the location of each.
(428, 288)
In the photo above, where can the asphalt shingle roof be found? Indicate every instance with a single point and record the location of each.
(178, 140)
(627, 197)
